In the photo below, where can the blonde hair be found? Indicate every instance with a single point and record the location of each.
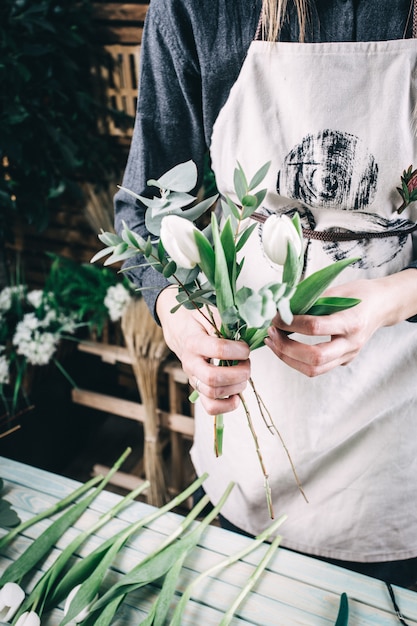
(273, 14)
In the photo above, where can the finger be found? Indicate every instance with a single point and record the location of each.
(311, 360)
(221, 405)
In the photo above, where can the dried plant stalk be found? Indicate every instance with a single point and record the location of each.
(147, 348)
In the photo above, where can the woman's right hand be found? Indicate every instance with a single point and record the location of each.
(192, 338)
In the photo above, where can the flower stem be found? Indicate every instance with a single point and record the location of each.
(273, 429)
(259, 453)
(218, 434)
(228, 616)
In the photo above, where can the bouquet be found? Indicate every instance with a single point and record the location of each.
(206, 264)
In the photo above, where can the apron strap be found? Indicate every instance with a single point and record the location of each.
(328, 235)
(414, 19)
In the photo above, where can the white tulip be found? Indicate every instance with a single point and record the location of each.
(11, 597)
(29, 618)
(84, 612)
(277, 231)
(177, 236)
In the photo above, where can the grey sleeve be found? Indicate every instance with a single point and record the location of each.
(168, 126)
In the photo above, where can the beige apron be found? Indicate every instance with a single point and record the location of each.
(336, 120)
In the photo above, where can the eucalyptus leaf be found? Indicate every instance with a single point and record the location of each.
(182, 177)
(244, 237)
(199, 209)
(240, 183)
(259, 176)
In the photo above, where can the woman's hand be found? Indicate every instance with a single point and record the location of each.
(384, 302)
(192, 338)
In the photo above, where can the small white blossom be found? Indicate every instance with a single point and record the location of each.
(32, 342)
(177, 236)
(4, 368)
(11, 597)
(7, 294)
(35, 298)
(116, 300)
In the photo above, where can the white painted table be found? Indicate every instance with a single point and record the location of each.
(295, 590)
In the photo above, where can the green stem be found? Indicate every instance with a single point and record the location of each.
(55, 508)
(228, 616)
(238, 556)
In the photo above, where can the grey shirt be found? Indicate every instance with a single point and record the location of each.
(191, 55)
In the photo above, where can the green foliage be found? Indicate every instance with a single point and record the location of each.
(48, 119)
(80, 289)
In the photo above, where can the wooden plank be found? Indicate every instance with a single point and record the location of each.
(109, 404)
(131, 12)
(108, 353)
(119, 34)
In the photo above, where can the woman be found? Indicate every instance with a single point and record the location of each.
(326, 92)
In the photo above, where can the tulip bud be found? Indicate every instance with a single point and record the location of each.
(177, 236)
(11, 597)
(82, 615)
(29, 618)
(277, 231)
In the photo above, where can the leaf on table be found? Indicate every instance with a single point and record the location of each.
(8, 516)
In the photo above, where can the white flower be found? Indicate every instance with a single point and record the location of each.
(116, 300)
(84, 612)
(177, 236)
(29, 618)
(11, 597)
(4, 369)
(7, 294)
(35, 297)
(277, 231)
(32, 342)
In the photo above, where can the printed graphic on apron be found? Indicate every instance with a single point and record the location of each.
(330, 168)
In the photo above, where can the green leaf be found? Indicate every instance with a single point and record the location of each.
(259, 176)
(199, 209)
(228, 244)
(182, 177)
(8, 516)
(207, 260)
(293, 266)
(169, 269)
(224, 291)
(343, 614)
(309, 289)
(230, 208)
(240, 182)
(329, 305)
(41, 546)
(245, 236)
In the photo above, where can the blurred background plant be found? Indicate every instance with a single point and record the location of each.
(77, 299)
(49, 109)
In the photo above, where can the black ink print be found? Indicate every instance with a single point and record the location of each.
(331, 168)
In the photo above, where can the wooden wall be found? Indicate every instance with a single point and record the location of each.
(72, 230)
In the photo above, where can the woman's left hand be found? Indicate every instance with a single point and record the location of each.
(384, 302)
